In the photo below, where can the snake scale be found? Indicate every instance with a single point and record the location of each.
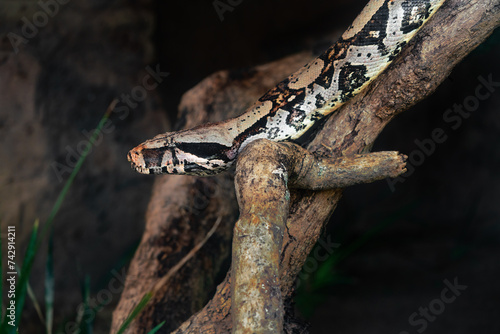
(288, 110)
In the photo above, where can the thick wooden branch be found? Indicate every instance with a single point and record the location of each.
(261, 189)
(310, 172)
(448, 37)
(265, 170)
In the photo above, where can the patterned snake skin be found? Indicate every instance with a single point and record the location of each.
(288, 110)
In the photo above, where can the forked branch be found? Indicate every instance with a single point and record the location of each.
(265, 172)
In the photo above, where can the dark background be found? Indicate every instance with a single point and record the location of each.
(396, 247)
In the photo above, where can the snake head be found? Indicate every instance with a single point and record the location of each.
(180, 153)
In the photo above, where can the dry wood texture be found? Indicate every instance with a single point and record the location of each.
(265, 172)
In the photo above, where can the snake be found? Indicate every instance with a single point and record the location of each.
(294, 105)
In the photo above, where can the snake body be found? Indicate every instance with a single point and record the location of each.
(288, 110)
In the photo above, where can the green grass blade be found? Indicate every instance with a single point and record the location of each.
(157, 328)
(147, 297)
(84, 325)
(71, 178)
(22, 283)
(49, 285)
(34, 243)
(38, 309)
(1, 280)
(163, 281)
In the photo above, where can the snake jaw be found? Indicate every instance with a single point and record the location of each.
(136, 160)
(146, 159)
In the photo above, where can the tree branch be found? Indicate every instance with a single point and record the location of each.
(421, 67)
(446, 39)
(265, 171)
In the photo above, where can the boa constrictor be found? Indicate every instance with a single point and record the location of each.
(288, 110)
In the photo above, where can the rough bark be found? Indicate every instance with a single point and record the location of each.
(265, 172)
(447, 38)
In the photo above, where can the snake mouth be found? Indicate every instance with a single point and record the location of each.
(140, 169)
(156, 160)
(137, 161)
